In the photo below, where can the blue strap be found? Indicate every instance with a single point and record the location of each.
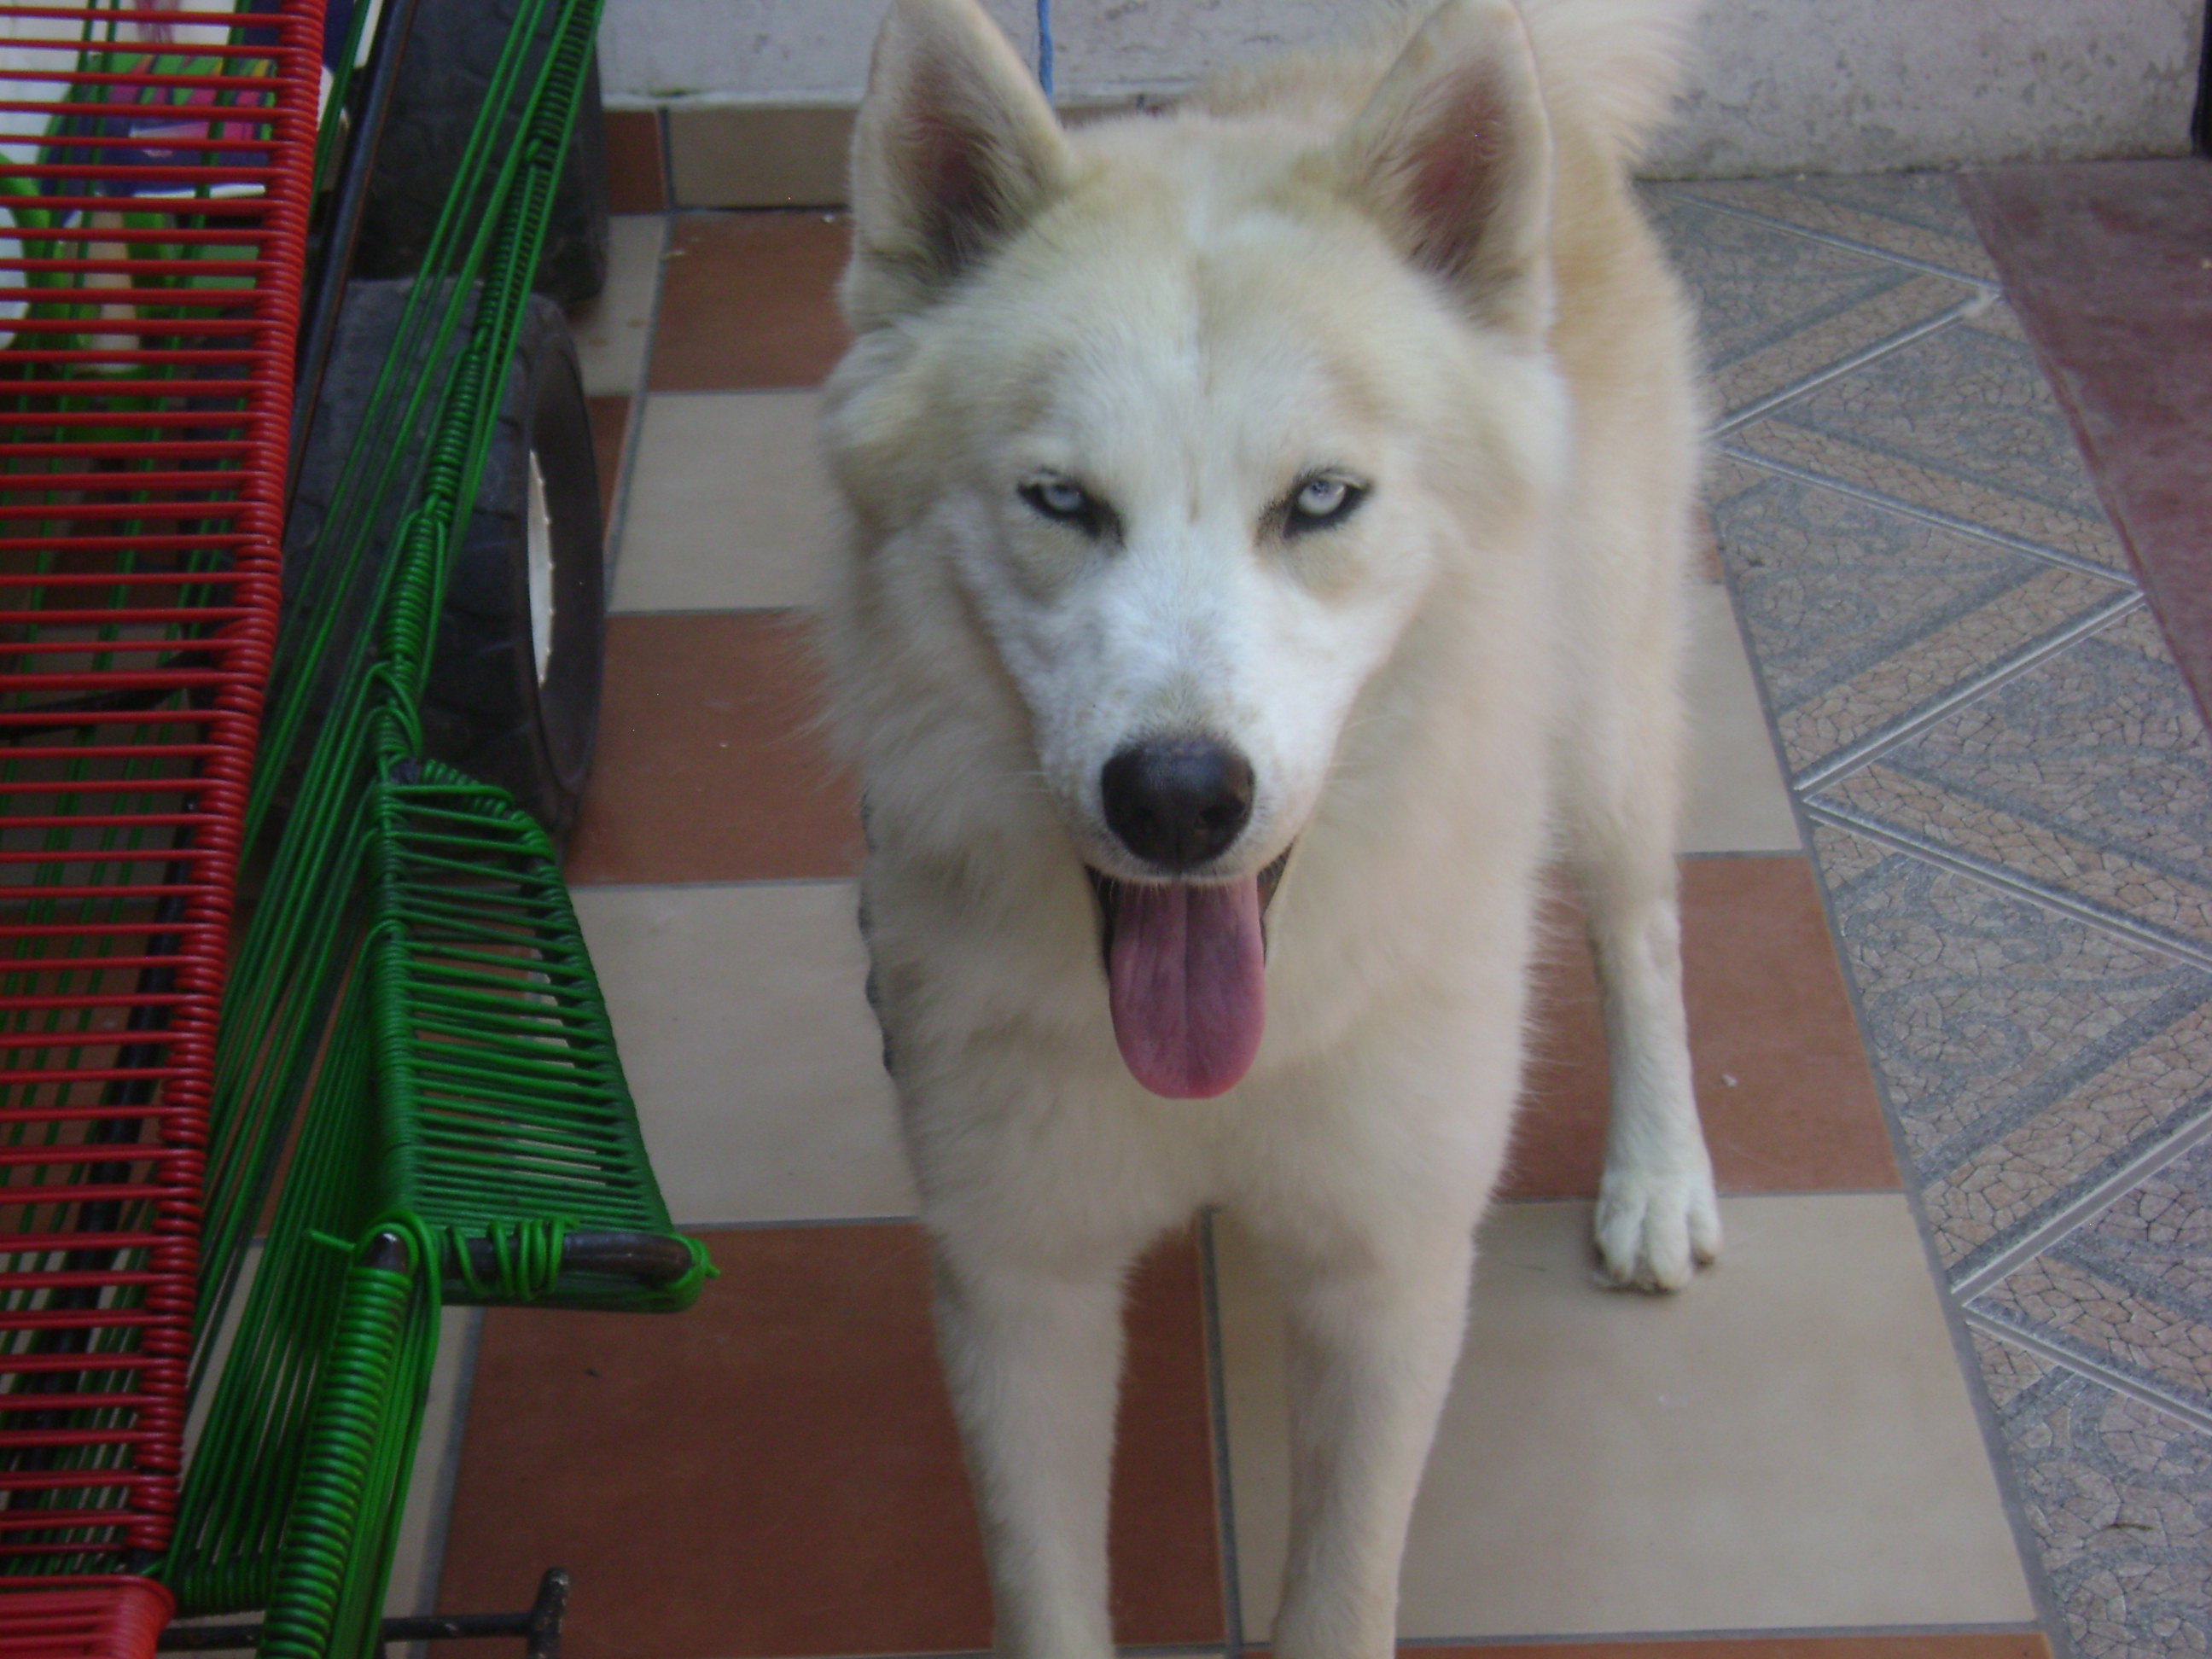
(1044, 45)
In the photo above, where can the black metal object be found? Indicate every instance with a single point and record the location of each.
(539, 1626)
(648, 1259)
(326, 279)
(2200, 123)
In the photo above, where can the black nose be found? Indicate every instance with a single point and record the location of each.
(1176, 802)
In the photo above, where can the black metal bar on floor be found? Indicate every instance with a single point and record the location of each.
(539, 1626)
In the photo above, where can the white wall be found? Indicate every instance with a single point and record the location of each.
(1883, 84)
(1784, 86)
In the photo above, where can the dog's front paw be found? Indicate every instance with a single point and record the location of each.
(1655, 1228)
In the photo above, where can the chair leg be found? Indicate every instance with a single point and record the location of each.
(337, 1552)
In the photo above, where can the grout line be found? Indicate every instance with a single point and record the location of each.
(2084, 1208)
(740, 391)
(1995, 875)
(1217, 1395)
(1847, 243)
(1753, 410)
(1777, 1633)
(634, 434)
(710, 882)
(1147, 1650)
(449, 1470)
(1929, 515)
(667, 133)
(2097, 1370)
(1869, 749)
(1995, 1449)
(1571, 1639)
(1728, 1195)
(794, 609)
(1714, 855)
(770, 1223)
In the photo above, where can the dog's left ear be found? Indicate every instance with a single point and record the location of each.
(1453, 155)
(955, 150)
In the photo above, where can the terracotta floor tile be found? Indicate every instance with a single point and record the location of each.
(2105, 263)
(637, 181)
(776, 1472)
(711, 766)
(747, 301)
(609, 431)
(1767, 1010)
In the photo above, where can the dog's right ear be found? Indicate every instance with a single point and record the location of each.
(954, 150)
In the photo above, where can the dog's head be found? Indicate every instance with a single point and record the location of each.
(1192, 415)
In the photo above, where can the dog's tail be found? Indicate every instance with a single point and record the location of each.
(1623, 60)
(1618, 63)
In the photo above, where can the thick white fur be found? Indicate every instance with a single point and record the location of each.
(1412, 264)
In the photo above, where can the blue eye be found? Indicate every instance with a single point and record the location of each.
(1065, 502)
(1322, 496)
(1061, 498)
(1321, 502)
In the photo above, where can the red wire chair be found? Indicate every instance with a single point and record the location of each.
(155, 173)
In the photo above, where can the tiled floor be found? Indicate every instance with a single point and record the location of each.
(1909, 1417)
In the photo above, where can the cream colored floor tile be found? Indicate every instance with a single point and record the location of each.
(729, 506)
(414, 1586)
(1789, 1444)
(613, 331)
(750, 1048)
(1734, 799)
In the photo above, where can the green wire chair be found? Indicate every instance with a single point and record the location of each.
(412, 995)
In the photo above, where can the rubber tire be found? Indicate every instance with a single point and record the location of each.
(452, 51)
(483, 708)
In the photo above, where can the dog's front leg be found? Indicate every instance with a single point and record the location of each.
(1371, 1353)
(1033, 1357)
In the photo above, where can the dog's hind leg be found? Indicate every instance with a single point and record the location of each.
(1371, 1352)
(1033, 1357)
(1657, 1215)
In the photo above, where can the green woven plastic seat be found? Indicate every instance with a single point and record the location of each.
(413, 1057)
(502, 1106)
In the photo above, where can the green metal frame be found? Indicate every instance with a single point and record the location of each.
(411, 1008)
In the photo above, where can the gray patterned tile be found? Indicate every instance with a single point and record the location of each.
(1727, 477)
(1862, 617)
(2119, 1497)
(2159, 1236)
(2132, 1288)
(1960, 423)
(2028, 1056)
(2006, 1369)
(2088, 774)
(1918, 215)
(1774, 308)
(2094, 1315)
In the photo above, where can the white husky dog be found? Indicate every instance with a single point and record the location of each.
(1267, 523)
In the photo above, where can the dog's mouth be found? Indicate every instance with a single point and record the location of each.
(1185, 973)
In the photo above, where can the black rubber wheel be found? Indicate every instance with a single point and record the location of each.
(513, 692)
(452, 51)
(496, 704)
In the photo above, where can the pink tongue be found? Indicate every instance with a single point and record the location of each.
(1189, 998)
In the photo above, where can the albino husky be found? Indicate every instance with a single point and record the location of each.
(1266, 527)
